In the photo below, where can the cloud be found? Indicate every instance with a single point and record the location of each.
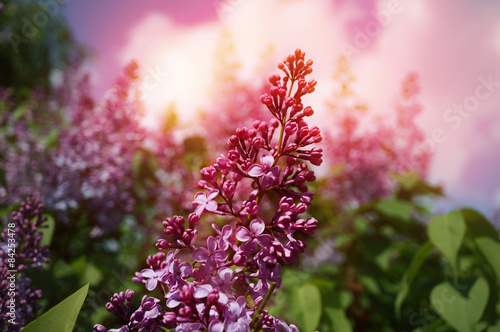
(450, 44)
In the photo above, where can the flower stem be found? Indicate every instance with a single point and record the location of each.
(257, 313)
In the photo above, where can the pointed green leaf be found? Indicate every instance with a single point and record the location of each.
(459, 312)
(48, 230)
(395, 208)
(446, 232)
(410, 273)
(478, 225)
(305, 306)
(490, 249)
(62, 317)
(339, 320)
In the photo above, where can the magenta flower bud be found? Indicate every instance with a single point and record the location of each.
(233, 155)
(186, 294)
(274, 123)
(209, 173)
(314, 131)
(266, 100)
(299, 179)
(169, 319)
(222, 163)
(100, 328)
(258, 142)
(317, 152)
(291, 148)
(310, 226)
(233, 141)
(252, 133)
(310, 177)
(202, 183)
(163, 245)
(189, 236)
(282, 93)
(274, 79)
(242, 132)
(274, 91)
(256, 124)
(306, 198)
(290, 128)
(229, 188)
(240, 259)
(300, 208)
(263, 127)
(129, 295)
(308, 111)
(237, 177)
(193, 219)
(304, 131)
(213, 297)
(299, 224)
(110, 307)
(185, 312)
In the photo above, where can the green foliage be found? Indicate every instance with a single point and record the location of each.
(388, 269)
(462, 313)
(34, 44)
(62, 317)
(446, 233)
(305, 306)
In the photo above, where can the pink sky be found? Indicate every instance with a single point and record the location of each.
(454, 46)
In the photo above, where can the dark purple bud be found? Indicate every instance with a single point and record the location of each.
(185, 312)
(169, 319)
(213, 297)
(110, 307)
(99, 328)
(186, 294)
(129, 295)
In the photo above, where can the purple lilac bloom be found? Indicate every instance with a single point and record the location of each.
(210, 255)
(253, 235)
(206, 202)
(26, 224)
(208, 287)
(266, 171)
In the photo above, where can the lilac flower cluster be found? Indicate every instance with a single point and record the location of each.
(258, 190)
(362, 156)
(88, 163)
(28, 255)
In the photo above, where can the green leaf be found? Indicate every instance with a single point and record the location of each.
(494, 328)
(62, 317)
(48, 230)
(395, 208)
(459, 312)
(422, 254)
(478, 225)
(339, 320)
(490, 249)
(305, 306)
(446, 232)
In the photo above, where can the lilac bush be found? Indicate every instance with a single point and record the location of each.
(29, 254)
(258, 191)
(363, 154)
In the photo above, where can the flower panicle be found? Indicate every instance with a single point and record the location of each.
(259, 188)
